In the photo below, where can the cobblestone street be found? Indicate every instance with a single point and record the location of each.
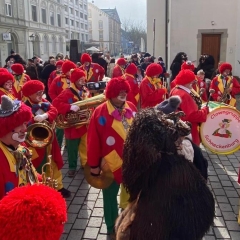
(85, 207)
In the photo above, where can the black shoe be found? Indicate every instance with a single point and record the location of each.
(71, 173)
(65, 193)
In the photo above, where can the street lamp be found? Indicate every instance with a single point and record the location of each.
(32, 39)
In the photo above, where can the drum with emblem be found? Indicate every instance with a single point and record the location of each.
(102, 84)
(221, 132)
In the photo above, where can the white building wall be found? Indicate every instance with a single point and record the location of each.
(95, 16)
(236, 66)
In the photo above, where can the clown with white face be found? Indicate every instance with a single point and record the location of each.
(6, 84)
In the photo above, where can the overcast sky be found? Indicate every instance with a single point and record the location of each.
(127, 9)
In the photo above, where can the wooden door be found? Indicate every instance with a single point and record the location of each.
(211, 45)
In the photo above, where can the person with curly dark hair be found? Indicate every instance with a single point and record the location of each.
(169, 199)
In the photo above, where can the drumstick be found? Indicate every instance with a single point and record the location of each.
(211, 91)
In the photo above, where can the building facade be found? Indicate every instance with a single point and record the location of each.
(98, 22)
(195, 27)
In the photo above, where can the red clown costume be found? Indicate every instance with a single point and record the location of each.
(184, 80)
(93, 71)
(106, 135)
(20, 78)
(13, 114)
(220, 82)
(43, 110)
(55, 73)
(119, 68)
(6, 84)
(61, 82)
(133, 95)
(152, 91)
(32, 212)
(76, 137)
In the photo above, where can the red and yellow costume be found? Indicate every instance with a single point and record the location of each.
(76, 137)
(11, 173)
(152, 91)
(119, 70)
(218, 85)
(133, 95)
(188, 105)
(44, 108)
(4, 77)
(20, 79)
(55, 73)
(106, 136)
(94, 72)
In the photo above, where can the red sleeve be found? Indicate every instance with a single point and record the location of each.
(50, 79)
(93, 142)
(235, 87)
(52, 90)
(61, 102)
(214, 86)
(52, 112)
(151, 95)
(116, 72)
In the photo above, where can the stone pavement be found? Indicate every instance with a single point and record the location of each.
(85, 207)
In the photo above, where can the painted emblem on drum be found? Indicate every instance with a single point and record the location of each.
(223, 130)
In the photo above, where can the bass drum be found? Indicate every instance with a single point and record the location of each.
(221, 132)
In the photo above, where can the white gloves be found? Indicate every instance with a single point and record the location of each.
(41, 117)
(74, 108)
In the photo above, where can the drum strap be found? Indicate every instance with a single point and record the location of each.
(75, 93)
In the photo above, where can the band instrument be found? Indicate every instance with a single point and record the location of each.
(81, 117)
(226, 96)
(196, 98)
(41, 134)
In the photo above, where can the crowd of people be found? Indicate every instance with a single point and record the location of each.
(143, 131)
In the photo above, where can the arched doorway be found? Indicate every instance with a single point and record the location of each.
(12, 44)
(36, 49)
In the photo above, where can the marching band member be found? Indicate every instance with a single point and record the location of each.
(93, 71)
(189, 106)
(76, 137)
(202, 85)
(152, 91)
(59, 84)
(32, 212)
(55, 73)
(225, 84)
(106, 134)
(6, 85)
(119, 68)
(14, 116)
(43, 110)
(20, 78)
(133, 95)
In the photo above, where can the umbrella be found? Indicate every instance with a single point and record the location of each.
(93, 49)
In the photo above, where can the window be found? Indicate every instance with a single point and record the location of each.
(34, 13)
(85, 7)
(59, 19)
(81, 6)
(72, 22)
(85, 16)
(59, 1)
(52, 18)
(71, 10)
(72, 35)
(89, 13)
(86, 27)
(44, 16)
(77, 24)
(66, 8)
(86, 37)
(90, 36)
(78, 36)
(81, 25)
(82, 35)
(54, 47)
(66, 20)
(100, 36)
(90, 24)
(100, 24)
(76, 1)
(81, 15)
(45, 44)
(71, 1)
(67, 33)
(76, 13)
(8, 9)
(60, 45)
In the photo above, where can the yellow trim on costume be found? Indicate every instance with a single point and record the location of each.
(137, 97)
(7, 93)
(34, 153)
(220, 83)
(65, 84)
(18, 84)
(130, 75)
(122, 69)
(88, 73)
(116, 164)
(157, 83)
(194, 92)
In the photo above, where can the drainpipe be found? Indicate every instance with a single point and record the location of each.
(166, 32)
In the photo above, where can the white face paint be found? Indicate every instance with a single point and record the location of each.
(122, 98)
(19, 137)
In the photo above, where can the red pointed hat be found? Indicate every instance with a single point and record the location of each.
(115, 86)
(32, 87)
(67, 66)
(32, 212)
(121, 61)
(131, 69)
(17, 68)
(86, 58)
(4, 77)
(154, 69)
(76, 74)
(184, 77)
(188, 65)
(224, 67)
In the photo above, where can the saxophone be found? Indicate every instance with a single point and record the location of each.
(226, 96)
